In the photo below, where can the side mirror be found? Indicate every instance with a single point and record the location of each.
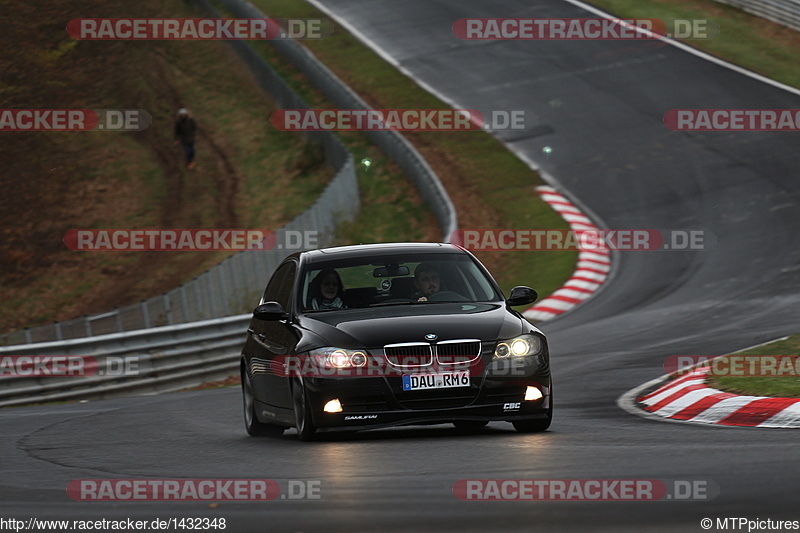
(522, 296)
(270, 311)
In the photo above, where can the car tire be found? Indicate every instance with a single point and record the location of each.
(470, 424)
(302, 412)
(251, 423)
(532, 426)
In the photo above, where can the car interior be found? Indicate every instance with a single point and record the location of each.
(394, 283)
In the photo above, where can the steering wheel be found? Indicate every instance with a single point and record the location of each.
(395, 300)
(445, 296)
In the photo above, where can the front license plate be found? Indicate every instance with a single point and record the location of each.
(446, 380)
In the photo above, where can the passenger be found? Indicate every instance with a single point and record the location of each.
(426, 280)
(326, 290)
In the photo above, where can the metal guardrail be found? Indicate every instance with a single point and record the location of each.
(156, 360)
(785, 12)
(391, 142)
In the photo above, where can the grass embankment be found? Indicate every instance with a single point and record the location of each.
(248, 175)
(785, 385)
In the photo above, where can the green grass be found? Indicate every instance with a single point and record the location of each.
(276, 189)
(743, 39)
(784, 386)
(388, 213)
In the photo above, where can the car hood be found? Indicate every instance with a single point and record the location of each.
(374, 327)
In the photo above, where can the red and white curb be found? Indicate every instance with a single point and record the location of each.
(592, 269)
(687, 398)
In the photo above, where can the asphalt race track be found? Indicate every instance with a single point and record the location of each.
(599, 108)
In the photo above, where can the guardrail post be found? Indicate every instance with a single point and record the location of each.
(261, 266)
(118, 319)
(223, 286)
(88, 325)
(145, 314)
(59, 335)
(28, 336)
(247, 263)
(184, 304)
(197, 300)
(212, 302)
(239, 279)
(167, 309)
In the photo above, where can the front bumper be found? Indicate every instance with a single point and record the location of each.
(380, 401)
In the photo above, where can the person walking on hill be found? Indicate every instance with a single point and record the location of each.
(185, 129)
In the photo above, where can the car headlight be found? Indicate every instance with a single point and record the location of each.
(518, 347)
(339, 357)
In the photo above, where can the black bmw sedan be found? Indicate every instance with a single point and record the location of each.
(391, 334)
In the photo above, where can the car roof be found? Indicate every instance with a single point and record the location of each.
(366, 250)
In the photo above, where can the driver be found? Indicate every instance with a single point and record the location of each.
(426, 280)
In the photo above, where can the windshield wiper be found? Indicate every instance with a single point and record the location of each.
(416, 302)
(388, 304)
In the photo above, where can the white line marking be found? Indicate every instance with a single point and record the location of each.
(687, 400)
(723, 409)
(672, 389)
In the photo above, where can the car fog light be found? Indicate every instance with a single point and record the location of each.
(335, 406)
(532, 394)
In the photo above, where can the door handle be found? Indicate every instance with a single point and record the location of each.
(260, 336)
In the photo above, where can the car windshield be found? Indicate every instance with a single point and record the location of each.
(414, 279)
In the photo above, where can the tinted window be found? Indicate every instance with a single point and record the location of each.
(395, 280)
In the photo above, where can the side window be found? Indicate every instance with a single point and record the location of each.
(284, 294)
(274, 285)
